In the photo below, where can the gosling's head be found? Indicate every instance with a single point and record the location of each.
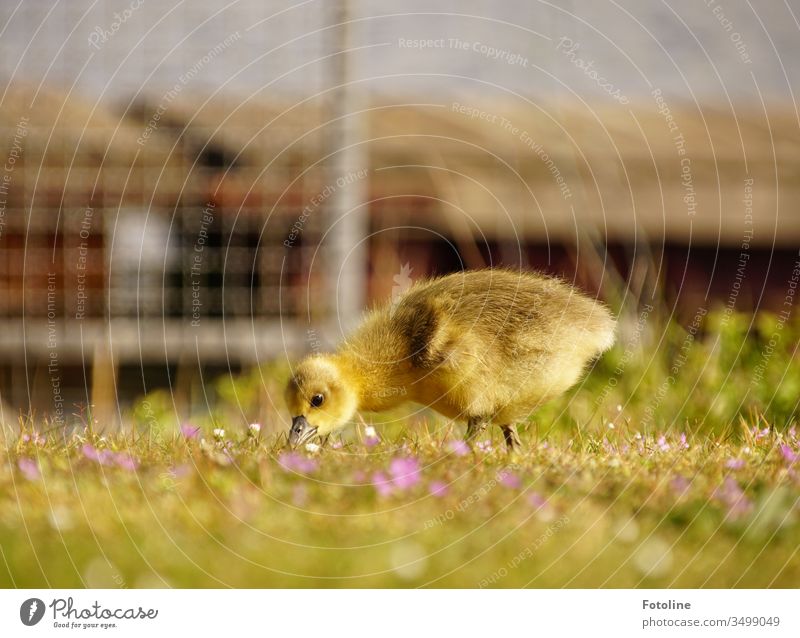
(319, 398)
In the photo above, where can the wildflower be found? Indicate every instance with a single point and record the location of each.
(759, 434)
(312, 447)
(458, 448)
(788, 454)
(219, 434)
(484, 446)
(337, 445)
(382, 484)
(735, 464)
(35, 438)
(29, 469)
(684, 442)
(294, 462)
(189, 431)
(404, 472)
(662, 444)
(536, 500)
(371, 438)
(732, 495)
(438, 488)
(254, 429)
(103, 457)
(610, 426)
(680, 485)
(509, 479)
(109, 457)
(126, 462)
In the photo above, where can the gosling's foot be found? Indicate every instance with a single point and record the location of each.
(511, 437)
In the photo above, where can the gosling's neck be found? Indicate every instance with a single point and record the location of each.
(380, 380)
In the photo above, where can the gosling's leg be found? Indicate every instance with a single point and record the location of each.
(511, 436)
(475, 425)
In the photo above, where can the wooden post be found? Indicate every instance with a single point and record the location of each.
(349, 219)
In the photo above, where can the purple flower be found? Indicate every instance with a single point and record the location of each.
(684, 443)
(438, 488)
(108, 457)
(371, 438)
(383, 486)
(104, 457)
(788, 454)
(189, 431)
(458, 448)
(732, 495)
(509, 479)
(484, 446)
(294, 462)
(680, 485)
(735, 464)
(759, 434)
(662, 444)
(536, 500)
(404, 472)
(29, 469)
(126, 461)
(35, 438)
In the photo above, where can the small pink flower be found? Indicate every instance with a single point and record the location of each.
(536, 500)
(405, 472)
(680, 485)
(662, 444)
(371, 438)
(103, 457)
(684, 443)
(383, 486)
(735, 464)
(29, 469)
(126, 462)
(759, 434)
(35, 438)
(788, 454)
(458, 448)
(438, 488)
(189, 431)
(294, 462)
(484, 446)
(509, 479)
(732, 495)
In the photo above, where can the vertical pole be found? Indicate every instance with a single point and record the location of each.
(349, 220)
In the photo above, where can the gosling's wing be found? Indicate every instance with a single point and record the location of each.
(433, 339)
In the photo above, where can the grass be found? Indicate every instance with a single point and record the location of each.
(622, 484)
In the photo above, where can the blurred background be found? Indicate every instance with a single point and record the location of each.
(195, 190)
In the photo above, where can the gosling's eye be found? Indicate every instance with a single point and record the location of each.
(317, 400)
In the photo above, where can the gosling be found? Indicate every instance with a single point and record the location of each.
(485, 347)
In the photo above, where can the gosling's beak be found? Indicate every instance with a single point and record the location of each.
(301, 431)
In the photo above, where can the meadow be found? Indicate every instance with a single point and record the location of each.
(674, 464)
